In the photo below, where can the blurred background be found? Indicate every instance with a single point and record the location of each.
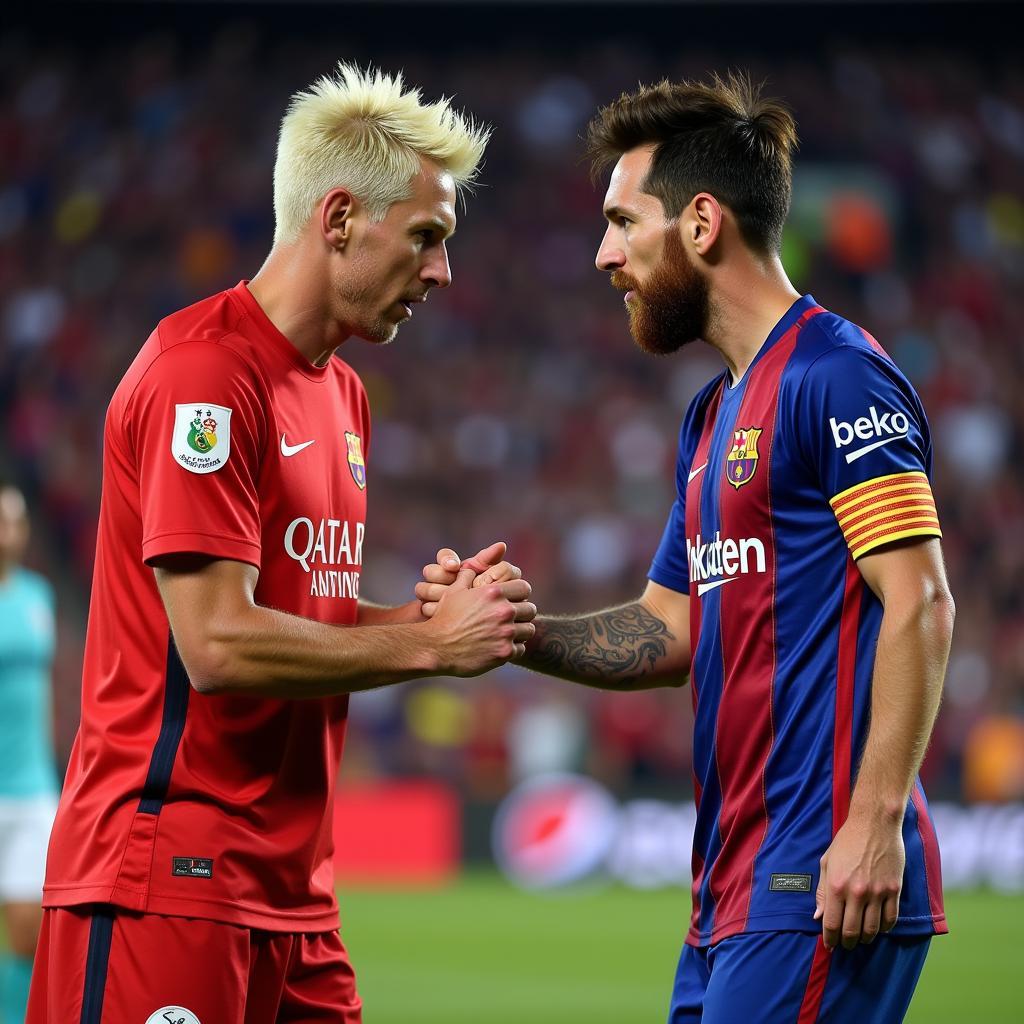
(136, 154)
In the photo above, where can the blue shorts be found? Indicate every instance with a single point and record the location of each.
(791, 978)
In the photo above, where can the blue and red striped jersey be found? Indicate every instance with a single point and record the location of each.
(818, 455)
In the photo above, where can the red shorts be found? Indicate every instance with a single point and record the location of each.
(98, 964)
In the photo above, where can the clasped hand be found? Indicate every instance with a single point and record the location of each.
(481, 606)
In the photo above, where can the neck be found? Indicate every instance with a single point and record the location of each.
(292, 293)
(747, 303)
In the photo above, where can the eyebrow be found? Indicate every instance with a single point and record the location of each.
(611, 212)
(437, 224)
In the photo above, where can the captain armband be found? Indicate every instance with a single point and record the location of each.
(885, 509)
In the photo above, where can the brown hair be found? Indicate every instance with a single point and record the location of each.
(719, 137)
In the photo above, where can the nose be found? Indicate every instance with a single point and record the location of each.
(437, 271)
(609, 254)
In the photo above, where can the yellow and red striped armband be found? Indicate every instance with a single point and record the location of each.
(885, 509)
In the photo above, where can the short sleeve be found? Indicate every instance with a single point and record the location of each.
(197, 428)
(864, 433)
(670, 567)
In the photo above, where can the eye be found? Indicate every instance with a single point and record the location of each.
(426, 235)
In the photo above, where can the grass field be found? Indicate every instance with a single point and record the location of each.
(480, 952)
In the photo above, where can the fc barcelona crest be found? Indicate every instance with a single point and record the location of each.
(355, 459)
(741, 462)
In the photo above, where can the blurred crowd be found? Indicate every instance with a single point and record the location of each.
(136, 178)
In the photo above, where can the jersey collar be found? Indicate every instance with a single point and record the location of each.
(262, 323)
(789, 318)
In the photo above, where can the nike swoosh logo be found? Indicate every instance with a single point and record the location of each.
(703, 588)
(854, 456)
(694, 472)
(288, 450)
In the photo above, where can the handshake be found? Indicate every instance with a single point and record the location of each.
(477, 610)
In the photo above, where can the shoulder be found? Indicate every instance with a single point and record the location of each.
(833, 352)
(211, 331)
(202, 342)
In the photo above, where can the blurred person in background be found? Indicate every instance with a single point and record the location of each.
(799, 580)
(28, 779)
(190, 869)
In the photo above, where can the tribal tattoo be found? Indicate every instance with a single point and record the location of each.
(611, 648)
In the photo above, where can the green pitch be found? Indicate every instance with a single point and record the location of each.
(481, 952)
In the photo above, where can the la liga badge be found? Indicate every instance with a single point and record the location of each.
(201, 439)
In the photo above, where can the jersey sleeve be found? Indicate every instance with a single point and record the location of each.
(197, 429)
(670, 567)
(864, 432)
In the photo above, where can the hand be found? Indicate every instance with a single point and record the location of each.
(439, 575)
(479, 628)
(861, 877)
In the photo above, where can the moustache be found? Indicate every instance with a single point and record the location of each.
(623, 282)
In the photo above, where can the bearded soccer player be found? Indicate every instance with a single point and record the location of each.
(189, 874)
(799, 582)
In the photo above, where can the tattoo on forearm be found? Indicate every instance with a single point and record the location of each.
(614, 646)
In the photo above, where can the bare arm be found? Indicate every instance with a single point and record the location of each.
(635, 646)
(230, 644)
(863, 869)
(639, 645)
(910, 665)
(371, 614)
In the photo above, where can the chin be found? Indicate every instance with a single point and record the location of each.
(382, 332)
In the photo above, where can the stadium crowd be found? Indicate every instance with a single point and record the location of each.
(138, 179)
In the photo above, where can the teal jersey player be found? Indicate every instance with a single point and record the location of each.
(26, 653)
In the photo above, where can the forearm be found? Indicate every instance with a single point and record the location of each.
(267, 653)
(625, 648)
(371, 614)
(910, 664)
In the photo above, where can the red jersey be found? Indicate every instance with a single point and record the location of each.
(222, 439)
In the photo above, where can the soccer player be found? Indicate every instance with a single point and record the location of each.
(799, 582)
(28, 781)
(189, 875)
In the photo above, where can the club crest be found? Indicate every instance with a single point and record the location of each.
(355, 459)
(201, 438)
(741, 462)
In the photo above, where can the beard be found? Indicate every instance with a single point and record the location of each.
(672, 308)
(380, 331)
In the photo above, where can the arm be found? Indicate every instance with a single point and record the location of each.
(862, 871)
(371, 614)
(230, 644)
(639, 645)
(635, 646)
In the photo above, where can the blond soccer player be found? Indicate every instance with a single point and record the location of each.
(189, 873)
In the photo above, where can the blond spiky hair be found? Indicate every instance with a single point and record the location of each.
(364, 131)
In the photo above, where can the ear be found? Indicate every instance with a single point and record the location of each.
(704, 224)
(337, 211)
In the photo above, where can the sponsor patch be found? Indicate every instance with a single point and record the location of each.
(877, 428)
(790, 883)
(201, 439)
(192, 867)
(716, 562)
(741, 461)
